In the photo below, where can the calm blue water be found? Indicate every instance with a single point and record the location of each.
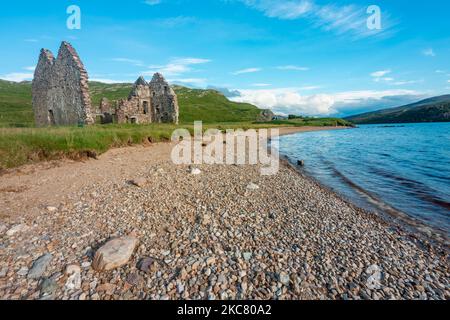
(406, 167)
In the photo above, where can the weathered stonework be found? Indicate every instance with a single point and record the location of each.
(265, 116)
(164, 100)
(105, 106)
(149, 103)
(60, 89)
(138, 108)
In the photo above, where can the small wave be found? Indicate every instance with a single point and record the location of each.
(415, 188)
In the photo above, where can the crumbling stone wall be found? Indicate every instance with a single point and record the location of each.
(60, 89)
(164, 100)
(265, 116)
(105, 106)
(149, 103)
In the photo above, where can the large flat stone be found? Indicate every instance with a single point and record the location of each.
(115, 253)
(39, 266)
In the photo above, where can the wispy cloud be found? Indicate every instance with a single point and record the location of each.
(429, 52)
(341, 19)
(380, 76)
(31, 40)
(176, 67)
(261, 85)
(134, 62)
(31, 68)
(248, 70)
(405, 82)
(192, 81)
(17, 76)
(287, 10)
(309, 88)
(172, 22)
(293, 68)
(107, 81)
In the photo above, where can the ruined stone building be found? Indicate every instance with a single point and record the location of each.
(153, 102)
(60, 89)
(61, 95)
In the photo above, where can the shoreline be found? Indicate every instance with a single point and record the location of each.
(216, 238)
(391, 215)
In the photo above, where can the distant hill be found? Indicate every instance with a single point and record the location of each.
(436, 109)
(210, 106)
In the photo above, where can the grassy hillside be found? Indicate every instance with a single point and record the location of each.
(210, 106)
(15, 104)
(435, 109)
(20, 143)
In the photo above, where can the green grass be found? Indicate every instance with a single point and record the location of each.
(15, 104)
(21, 143)
(19, 146)
(209, 106)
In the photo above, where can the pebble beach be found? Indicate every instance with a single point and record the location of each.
(216, 232)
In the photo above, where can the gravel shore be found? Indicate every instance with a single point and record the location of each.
(225, 232)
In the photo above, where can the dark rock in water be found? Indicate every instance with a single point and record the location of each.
(39, 266)
(301, 163)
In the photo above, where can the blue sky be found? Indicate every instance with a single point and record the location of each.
(294, 56)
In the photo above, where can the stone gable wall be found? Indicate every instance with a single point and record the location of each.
(149, 103)
(60, 89)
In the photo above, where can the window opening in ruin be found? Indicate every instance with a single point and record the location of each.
(145, 107)
(51, 117)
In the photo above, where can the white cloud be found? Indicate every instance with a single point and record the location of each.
(248, 70)
(31, 68)
(290, 101)
(173, 22)
(135, 62)
(188, 61)
(152, 2)
(176, 66)
(429, 52)
(309, 88)
(193, 81)
(17, 76)
(404, 82)
(294, 68)
(379, 74)
(330, 17)
(261, 85)
(287, 10)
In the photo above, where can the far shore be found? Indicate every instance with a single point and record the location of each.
(226, 233)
